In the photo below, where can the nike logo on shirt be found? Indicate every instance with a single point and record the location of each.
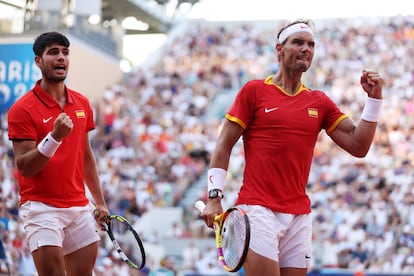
(47, 120)
(267, 110)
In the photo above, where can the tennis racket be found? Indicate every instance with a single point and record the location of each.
(232, 229)
(126, 241)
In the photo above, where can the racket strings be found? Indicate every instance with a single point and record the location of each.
(234, 238)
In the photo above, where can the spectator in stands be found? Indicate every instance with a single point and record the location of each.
(164, 269)
(280, 120)
(26, 264)
(49, 128)
(360, 253)
(4, 262)
(190, 255)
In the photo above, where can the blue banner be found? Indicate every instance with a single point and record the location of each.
(18, 72)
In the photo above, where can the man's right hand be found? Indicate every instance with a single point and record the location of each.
(62, 127)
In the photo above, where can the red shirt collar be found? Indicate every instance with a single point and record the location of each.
(49, 100)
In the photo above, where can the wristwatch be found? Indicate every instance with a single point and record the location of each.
(215, 193)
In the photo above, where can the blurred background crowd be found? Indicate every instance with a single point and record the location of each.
(156, 129)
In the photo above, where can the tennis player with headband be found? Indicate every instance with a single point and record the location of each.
(280, 119)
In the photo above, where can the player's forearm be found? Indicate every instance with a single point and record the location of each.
(220, 157)
(363, 136)
(365, 131)
(30, 162)
(219, 161)
(95, 189)
(92, 179)
(355, 139)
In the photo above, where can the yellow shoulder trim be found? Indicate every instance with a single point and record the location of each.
(236, 120)
(335, 124)
(268, 80)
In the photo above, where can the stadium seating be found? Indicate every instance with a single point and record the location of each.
(156, 129)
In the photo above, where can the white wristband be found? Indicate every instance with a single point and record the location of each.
(48, 146)
(216, 178)
(371, 110)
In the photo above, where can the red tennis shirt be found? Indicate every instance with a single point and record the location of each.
(61, 182)
(279, 139)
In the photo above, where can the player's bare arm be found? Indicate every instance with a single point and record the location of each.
(357, 139)
(354, 139)
(229, 135)
(29, 160)
(93, 183)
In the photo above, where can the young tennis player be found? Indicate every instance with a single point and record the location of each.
(280, 119)
(49, 127)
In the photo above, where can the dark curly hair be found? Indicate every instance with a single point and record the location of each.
(46, 39)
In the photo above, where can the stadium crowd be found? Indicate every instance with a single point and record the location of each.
(153, 137)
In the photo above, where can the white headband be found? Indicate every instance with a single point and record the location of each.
(295, 28)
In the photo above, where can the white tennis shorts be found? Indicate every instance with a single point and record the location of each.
(69, 228)
(284, 238)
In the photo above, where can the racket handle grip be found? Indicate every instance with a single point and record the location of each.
(199, 205)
